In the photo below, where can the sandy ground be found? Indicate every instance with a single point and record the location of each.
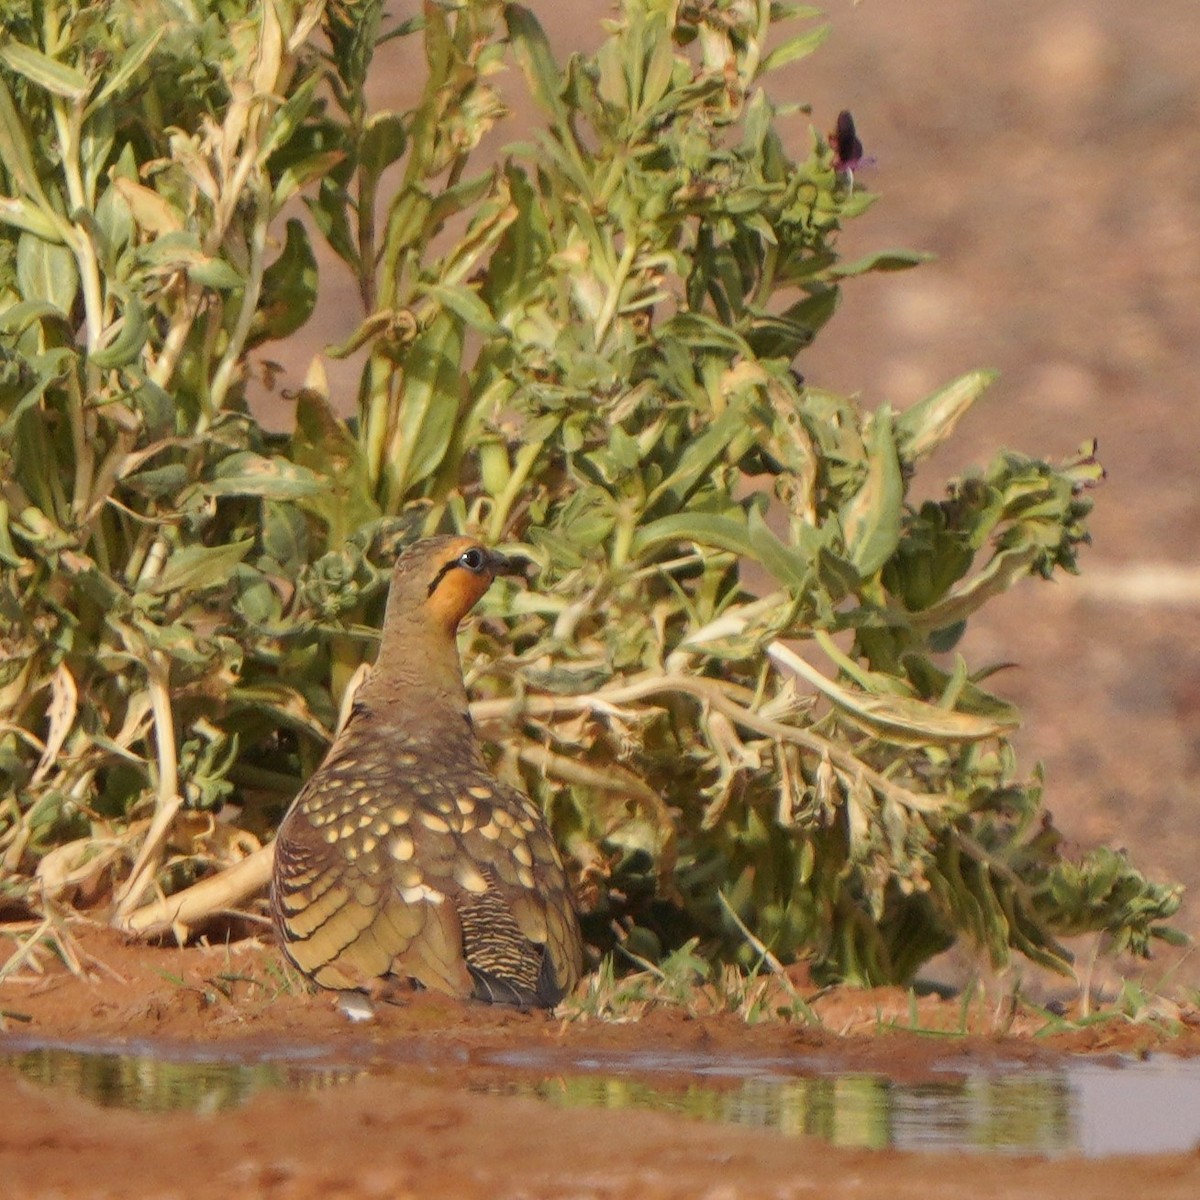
(1048, 155)
(417, 1125)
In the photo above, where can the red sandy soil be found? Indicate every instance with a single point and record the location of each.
(412, 1127)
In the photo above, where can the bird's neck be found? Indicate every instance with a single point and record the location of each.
(417, 676)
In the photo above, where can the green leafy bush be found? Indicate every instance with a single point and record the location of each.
(734, 679)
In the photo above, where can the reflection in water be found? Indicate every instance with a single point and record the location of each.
(1021, 1113)
(1084, 1107)
(1015, 1114)
(147, 1083)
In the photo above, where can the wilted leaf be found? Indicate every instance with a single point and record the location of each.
(871, 518)
(155, 214)
(921, 428)
(902, 719)
(79, 866)
(60, 715)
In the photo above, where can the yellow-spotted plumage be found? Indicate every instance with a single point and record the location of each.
(403, 857)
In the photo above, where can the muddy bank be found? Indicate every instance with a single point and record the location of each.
(423, 1119)
(239, 994)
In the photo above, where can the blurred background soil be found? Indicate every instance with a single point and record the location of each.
(1049, 156)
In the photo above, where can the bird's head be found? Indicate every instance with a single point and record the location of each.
(440, 579)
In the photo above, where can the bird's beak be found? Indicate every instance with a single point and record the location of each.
(503, 564)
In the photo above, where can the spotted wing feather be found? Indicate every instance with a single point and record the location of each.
(351, 901)
(443, 876)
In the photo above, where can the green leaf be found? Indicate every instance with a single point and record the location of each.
(197, 568)
(159, 482)
(129, 340)
(751, 539)
(428, 409)
(728, 437)
(56, 77)
(257, 600)
(31, 396)
(285, 538)
(384, 141)
(795, 48)
(47, 272)
(245, 473)
(301, 173)
(322, 443)
(704, 529)
(171, 251)
(331, 216)
(880, 260)
(783, 10)
(783, 561)
(408, 220)
(289, 289)
(288, 119)
(214, 273)
(17, 318)
(535, 59)
(1001, 572)
(465, 304)
(131, 62)
(15, 150)
(23, 214)
(785, 335)
(8, 552)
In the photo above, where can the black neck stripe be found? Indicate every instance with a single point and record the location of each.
(437, 579)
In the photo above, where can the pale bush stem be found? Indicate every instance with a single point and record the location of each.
(168, 801)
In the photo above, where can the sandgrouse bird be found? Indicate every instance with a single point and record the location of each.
(403, 858)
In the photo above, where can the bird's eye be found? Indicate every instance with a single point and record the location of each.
(473, 559)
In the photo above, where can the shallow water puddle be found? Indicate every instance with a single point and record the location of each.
(151, 1082)
(1084, 1106)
